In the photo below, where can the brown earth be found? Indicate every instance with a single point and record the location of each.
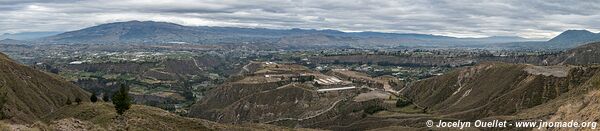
(492, 89)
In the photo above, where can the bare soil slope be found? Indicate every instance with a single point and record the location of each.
(493, 89)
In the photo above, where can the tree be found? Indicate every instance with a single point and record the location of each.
(105, 97)
(402, 102)
(121, 99)
(94, 98)
(3, 101)
(78, 100)
(69, 101)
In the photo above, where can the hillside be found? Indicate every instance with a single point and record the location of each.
(101, 116)
(489, 90)
(36, 100)
(496, 89)
(31, 94)
(267, 93)
(250, 99)
(582, 55)
(579, 103)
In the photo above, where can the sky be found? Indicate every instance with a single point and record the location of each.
(458, 18)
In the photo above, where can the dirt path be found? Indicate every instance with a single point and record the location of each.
(556, 71)
(196, 63)
(309, 117)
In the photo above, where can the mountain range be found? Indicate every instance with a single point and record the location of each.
(162, 32)
(566, 40)
(151, 32)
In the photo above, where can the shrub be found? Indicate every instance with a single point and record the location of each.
(105, 97)
(3, 101)
(78, 100)
(69, 101)
(94, 98)
(373, 109)
(402, 102)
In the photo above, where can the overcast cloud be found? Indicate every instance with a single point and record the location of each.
(460, 18)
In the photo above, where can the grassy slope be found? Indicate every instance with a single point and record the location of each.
(31, 93)
(140, 117)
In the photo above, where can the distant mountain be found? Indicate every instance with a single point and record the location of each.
(12, 41)
(566, 40)
(27, 35)
(149, 32)
(575, 36)
(507, 38)
(129, 32)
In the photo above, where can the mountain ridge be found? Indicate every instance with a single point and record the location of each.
(565, 40)
(163, 32)
(576, 36)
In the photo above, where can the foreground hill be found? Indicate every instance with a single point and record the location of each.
(31, 94)
(101, 116)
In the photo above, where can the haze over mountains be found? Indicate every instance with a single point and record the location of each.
(150, 32)
(566, 40)
(161, 32)
(27, 35)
